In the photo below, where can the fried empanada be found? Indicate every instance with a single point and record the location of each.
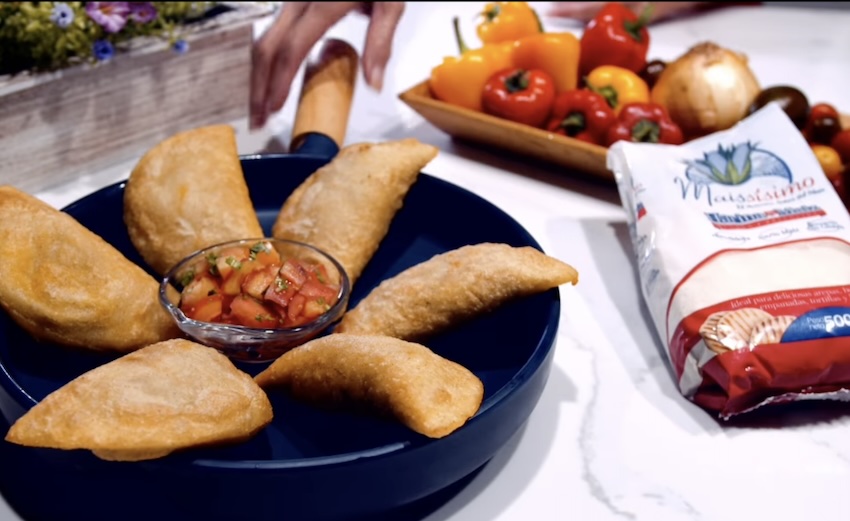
(187, 193)
(345, 208)
(426, 392)
(168, 396)
(63, 283)
(452, 287)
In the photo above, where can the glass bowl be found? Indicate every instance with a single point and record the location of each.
(255, 299)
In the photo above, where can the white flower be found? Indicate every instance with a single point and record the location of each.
(62, 15)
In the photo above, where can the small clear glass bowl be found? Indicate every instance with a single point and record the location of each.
(252, 344)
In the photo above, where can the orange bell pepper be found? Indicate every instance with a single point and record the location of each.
(556, 53)
(460, 80)
(618, 85)
(508, 21)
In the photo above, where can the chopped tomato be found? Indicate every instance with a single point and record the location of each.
(264, 254)
(280, 292)
(314, 307)
(202, 286)
(293, 312)
(259, 280)
(254, 287)
(313, 289)
(293, 272)
(250, 312)
(207, 309)
(230, 259)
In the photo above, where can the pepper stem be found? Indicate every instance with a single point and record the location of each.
(517, 81)
(633, 27)
(646, 131)
(608, 92)
(461, 45)
(573, 123)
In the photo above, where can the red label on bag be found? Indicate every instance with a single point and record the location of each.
(750, 330)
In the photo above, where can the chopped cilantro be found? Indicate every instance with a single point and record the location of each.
(187, 276)
(280, 284)
(212, 259)
(233, 263)
(319, 276)
(255, 249)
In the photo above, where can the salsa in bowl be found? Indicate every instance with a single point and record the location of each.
(255, 299)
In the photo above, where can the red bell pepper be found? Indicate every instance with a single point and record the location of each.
(581, 114)
(615, 36)
(645, 123)
(520, 95)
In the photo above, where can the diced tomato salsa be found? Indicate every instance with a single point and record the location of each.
(253, 286)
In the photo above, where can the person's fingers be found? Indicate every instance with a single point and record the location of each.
(263, 55)
(379, 40)
(302, 36)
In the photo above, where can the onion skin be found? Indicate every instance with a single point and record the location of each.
(707, 89)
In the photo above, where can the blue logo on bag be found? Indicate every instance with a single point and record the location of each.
(741, 173)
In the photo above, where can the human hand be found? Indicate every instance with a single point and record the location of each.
(585, 11)
(278, 54)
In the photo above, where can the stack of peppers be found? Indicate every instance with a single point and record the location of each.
(589, 89)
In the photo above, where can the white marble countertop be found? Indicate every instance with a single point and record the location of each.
(611, 437)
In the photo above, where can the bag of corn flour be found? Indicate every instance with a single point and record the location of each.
(743, 252)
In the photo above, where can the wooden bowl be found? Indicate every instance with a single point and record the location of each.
(502, 134)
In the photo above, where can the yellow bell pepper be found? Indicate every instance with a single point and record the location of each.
(555, 53)
(460, 80)
(619, 86)
(507, 21)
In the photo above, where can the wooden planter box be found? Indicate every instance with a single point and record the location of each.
(58, 126)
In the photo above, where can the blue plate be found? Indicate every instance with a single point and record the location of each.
(307, 464)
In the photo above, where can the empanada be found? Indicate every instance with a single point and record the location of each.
(63, 283)
(426, 392)
(452, 287)
(345, 208)
(187, 193)
(168, 396)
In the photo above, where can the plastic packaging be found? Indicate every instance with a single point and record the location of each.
(743, 252)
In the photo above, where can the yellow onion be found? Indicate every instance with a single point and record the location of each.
(707, 89)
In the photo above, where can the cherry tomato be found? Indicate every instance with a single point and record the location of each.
(817, 113)
(524, 96)
(832, 166)
(841, 143)
(822, 110)
(822, 130)
(651, 71)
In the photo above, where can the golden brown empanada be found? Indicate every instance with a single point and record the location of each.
(168, 396)
(426, 392)
(187, 193)
(454, 286)
(65, 284)
(345, 208)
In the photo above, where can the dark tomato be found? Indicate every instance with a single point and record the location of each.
(652, 71)
(822, 130)
(841, 143)
(791, 99)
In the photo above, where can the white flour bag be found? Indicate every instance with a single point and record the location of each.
(743, 251)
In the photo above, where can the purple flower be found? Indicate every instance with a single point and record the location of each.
(142, 12)
(112, 16)
(62, 15)
(103, 50)
(181, 46)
